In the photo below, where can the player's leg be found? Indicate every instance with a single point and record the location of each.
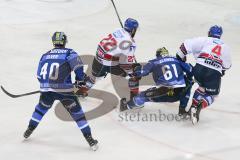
(184, 95)
(74, 108)
(133, 83)
(209, 87)
(171, 95)
(201, 100)
(117, 71)
(200, 95)
(98, 69)
(123, 70)
(45, 102)
(136, 102)
(152, 94)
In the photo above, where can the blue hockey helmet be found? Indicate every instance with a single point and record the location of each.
(131, 26)
(215, 31)
(59, 39)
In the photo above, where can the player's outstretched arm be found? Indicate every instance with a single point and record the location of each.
(187, 67)
(146, 70)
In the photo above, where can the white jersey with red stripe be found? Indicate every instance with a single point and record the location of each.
(118, 48)
(210, 52)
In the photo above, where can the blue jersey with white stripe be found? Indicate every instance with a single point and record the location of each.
(55, 67)
(166, 71)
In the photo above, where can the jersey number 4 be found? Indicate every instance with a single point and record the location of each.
(217, 50)
(53, 73)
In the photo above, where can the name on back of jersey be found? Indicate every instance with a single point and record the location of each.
(53, 56)
(59, 51)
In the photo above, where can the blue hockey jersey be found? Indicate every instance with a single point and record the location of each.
(55, 67)
(166, 71)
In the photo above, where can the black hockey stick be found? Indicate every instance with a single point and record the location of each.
(35, 92)
(18, 95)
(120, 21)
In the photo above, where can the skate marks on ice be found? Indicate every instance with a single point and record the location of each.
(56, 1)
(233, 14)
(108, 102)
(233, 18)
(40, 11)
(60, 143)
(209, 140)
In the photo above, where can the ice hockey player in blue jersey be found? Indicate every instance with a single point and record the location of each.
(171, 82)
(54, 75)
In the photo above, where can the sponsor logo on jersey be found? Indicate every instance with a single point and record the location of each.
(212, 63)
(210, 90)
(211, 60)
(118, 34)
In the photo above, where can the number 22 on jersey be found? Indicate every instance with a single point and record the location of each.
(108, 43)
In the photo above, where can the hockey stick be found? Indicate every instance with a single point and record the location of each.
(18, 95)
(34, 92)
(120, 21)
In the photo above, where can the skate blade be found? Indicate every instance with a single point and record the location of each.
(194, 118)
(185, 117)
(194, 121)
(95, 147)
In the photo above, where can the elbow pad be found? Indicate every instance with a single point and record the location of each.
(181, 54)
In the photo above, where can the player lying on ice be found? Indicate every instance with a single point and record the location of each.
(172, 84)
(54, 75)
(212, 60)
(115, 55)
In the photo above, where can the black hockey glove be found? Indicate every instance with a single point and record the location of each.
(137, 67)
(86, 82)
(223, 72)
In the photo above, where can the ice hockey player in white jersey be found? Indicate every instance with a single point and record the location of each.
(212, 60)
(115, 55)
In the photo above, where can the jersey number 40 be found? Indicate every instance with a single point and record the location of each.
(50, 72)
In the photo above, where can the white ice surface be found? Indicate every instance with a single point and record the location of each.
(25, 31)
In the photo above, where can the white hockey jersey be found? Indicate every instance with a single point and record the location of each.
(210, 52)
(118, 48)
